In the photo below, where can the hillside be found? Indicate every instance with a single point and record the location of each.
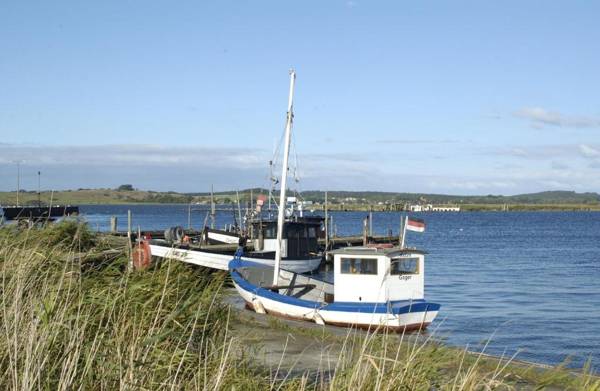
(350, 199)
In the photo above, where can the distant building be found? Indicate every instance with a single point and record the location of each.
(432, 208)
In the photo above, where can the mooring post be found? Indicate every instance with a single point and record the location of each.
(113, 224)
(190, 215)
(130, 245)
(129, 224)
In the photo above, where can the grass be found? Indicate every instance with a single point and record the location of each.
(94, 196)
(73, 316)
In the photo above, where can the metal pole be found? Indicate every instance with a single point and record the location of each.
(400, 231)
(326, 223)
(212, 208)
(39, 192)
(286, 155)
(404, 232)
(371, 223)
(18, 181)
(237, 194)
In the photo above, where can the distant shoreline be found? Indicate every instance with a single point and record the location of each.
(337, 201)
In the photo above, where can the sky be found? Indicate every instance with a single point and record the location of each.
(456, 97)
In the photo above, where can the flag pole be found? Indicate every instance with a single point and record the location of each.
(404, 231)
(400, 231)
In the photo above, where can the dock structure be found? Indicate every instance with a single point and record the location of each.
(217, 256)
(334, 242)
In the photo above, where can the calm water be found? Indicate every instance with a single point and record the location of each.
(530, 281)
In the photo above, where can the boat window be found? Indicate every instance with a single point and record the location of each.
(359, 266)
(312, 232)
(271, 232)
(404, 266)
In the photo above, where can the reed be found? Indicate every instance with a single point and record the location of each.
(72, 316)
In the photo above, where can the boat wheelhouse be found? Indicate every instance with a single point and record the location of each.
(300, 236)
(300, 246)
(373, 287)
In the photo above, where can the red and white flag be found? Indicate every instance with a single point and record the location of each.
(416, 225)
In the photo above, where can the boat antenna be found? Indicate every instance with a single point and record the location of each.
(18, 179)
(286, 155)
(212, 207)
(39, 192)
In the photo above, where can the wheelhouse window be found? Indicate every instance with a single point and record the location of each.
(359, 266)
(406, 265)
(270, 232)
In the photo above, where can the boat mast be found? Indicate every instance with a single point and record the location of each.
(286, 155)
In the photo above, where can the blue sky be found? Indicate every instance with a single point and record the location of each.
(442, 97)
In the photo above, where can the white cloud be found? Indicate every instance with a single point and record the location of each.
(547, 152)
(132, 155)
(484, 185)
(539, 117)
(589, 151)
(415, 141)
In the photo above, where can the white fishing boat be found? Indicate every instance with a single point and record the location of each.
(373, 287)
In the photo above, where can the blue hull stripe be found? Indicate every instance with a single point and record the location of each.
(394, 307)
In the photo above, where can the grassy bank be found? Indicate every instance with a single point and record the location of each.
(72, 316)
(95, 196)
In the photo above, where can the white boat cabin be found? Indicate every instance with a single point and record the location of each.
(378, 275)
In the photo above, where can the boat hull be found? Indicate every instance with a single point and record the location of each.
(221, 261)
(38, 212)
(399, 317)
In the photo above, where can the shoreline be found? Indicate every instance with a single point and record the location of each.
(313, 345)
(338, 201)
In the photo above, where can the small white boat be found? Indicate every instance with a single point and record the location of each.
(373, 288)
(220, 260)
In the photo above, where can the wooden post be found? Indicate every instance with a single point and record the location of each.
(130, 245)
(113, 224)
(365, 230)
(190, 215)
(129, 224)
(371, 222)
